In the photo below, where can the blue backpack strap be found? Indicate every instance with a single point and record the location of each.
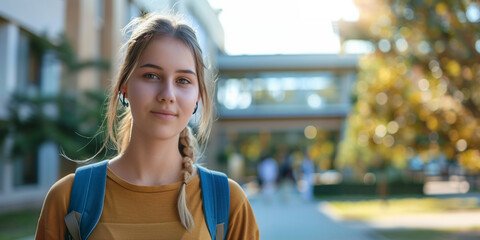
(216, 201)
(88, 194)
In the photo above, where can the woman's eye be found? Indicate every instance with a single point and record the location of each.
(183, 81)
(150, 76)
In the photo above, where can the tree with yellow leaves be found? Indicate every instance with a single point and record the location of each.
(418, 92)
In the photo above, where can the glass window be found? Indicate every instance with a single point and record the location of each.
(283, 93)
(28, 65)
(25, 170)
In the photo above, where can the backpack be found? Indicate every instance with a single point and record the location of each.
(88, 193)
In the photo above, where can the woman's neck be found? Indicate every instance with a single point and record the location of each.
(149, 162)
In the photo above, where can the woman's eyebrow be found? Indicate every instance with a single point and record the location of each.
(150, 65)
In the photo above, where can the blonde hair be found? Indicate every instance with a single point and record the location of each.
(142, 31)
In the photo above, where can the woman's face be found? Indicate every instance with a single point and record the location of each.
(163, 89)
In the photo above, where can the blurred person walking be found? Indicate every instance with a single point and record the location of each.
(286, 180)
(308, 171)
(268, 174)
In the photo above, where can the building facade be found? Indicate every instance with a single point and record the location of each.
(284, 106)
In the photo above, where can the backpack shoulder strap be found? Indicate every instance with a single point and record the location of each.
(216, 201)
(86, 200)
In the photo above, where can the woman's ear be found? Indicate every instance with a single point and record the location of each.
(195, 109)
(122, 96)
(124, 90)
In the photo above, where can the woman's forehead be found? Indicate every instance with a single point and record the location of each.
(167, 51)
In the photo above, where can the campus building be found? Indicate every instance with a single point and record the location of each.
(280, 105)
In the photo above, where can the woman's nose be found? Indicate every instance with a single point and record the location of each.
(166, 92)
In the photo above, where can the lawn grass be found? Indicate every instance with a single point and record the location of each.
(429, 234)
(368, 209)
(17, 225)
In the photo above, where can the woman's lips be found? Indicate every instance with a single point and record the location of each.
(164, 114)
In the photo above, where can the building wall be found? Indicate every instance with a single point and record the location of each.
(272, 107)
(39, 17)
(18, 23)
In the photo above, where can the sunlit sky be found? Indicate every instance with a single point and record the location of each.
(282, 26)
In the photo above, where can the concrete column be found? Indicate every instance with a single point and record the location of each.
(83, 28)
(88, 44)
(115, 18)
(9, 35)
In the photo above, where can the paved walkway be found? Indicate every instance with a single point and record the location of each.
(292, 219)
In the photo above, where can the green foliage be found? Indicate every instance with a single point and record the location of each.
(70, 121)
(66, 54)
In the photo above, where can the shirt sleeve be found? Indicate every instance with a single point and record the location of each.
(242, 223)
(51, 224)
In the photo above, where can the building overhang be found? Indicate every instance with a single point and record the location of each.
(300, 62)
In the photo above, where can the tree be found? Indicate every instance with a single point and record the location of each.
(418, 92)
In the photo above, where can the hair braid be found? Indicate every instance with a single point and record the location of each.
(186, 148)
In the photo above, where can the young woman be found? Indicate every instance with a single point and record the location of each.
(153, 188)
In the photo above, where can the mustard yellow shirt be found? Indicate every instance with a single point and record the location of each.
(145, 212)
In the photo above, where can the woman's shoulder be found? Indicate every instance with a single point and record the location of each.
(236, 189)
(242, 223)
(51, 221)
(60, 191)
(237, 194)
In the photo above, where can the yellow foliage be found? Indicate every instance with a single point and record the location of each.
(449, 151)
(436, 104)
(409, 133)
(424, 155)
(453, 135)
(434, 149)
(253, 149)
(453, 68)
(424, 114)
(399, 156)
(450, 117)
(401, 68)
(315, 151)
(406, 32)
(385, 77)
(441, 8)
(432, 123)
(468, 130)
(415, 97)
(327, 148)
(470, 159)
(324, 163)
